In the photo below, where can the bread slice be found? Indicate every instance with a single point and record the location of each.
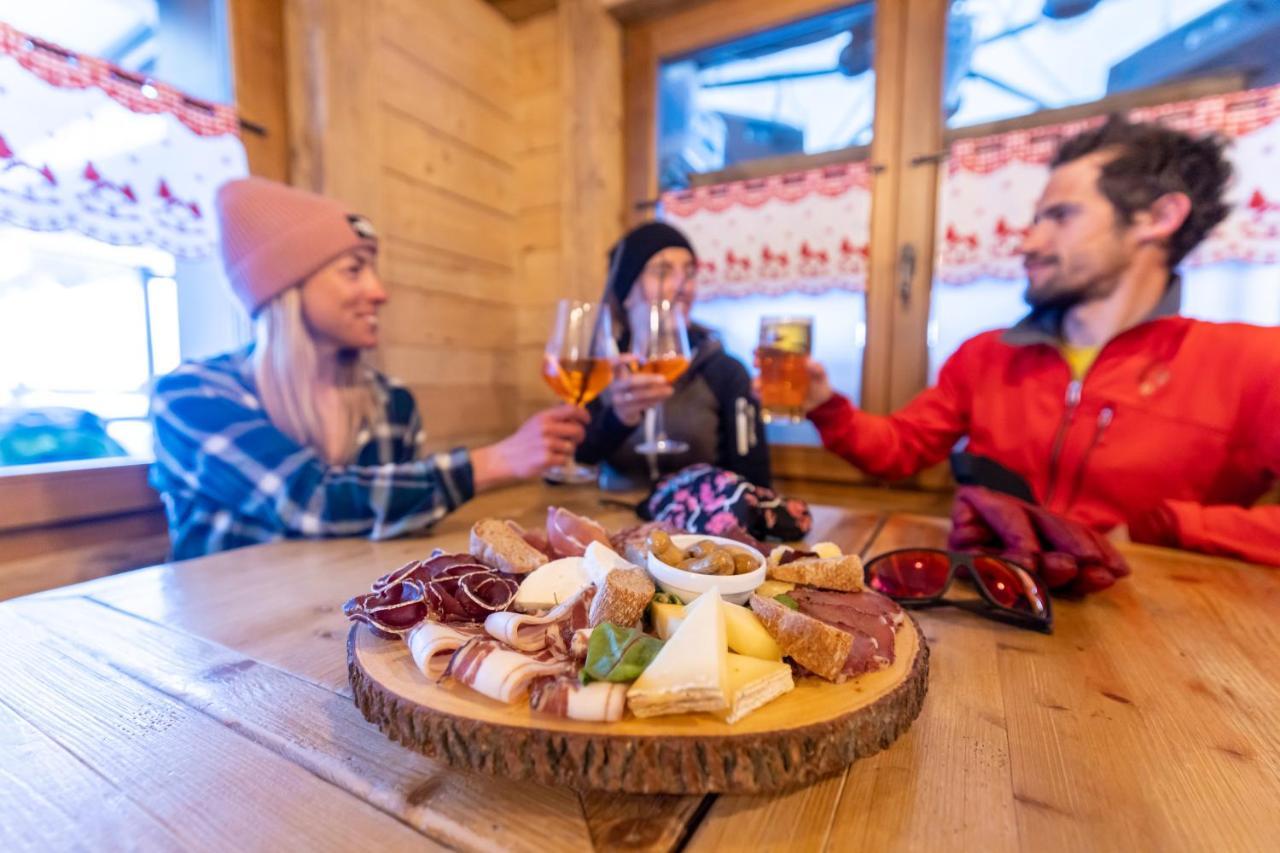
(838, 573)
(622, 597)
(811, 643)
(496, 543)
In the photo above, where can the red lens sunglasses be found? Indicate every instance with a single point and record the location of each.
(920, 577)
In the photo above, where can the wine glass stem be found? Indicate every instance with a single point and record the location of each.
(659, 423)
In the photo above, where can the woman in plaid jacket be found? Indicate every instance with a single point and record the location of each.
(297, 435)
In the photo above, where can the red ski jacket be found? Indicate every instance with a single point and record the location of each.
(1174, 430)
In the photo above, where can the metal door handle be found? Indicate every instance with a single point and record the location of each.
(906, 272)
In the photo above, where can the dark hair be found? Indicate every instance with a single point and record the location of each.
(1152, 160)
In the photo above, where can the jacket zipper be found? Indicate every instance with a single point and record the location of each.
(1072, 400)
(1105, 416)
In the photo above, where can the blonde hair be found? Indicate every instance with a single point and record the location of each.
(287, 368)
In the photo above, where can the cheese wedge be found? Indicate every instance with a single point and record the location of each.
(827, 550)
(752, 683)
(548, 585)
(666, 619)
(691, 671)
(769, 589)
(601, 559)
(746, 634)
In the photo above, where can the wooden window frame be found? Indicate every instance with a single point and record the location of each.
(649, 41)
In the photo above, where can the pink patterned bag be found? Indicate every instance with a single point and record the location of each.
(705, 499)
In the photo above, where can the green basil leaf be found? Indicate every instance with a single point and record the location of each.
(617, 654)
(635, 659)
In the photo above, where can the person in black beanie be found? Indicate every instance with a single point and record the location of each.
(711, 407)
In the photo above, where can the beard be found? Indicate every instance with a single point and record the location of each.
(1062, 292)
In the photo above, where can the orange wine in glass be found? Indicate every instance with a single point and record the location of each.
(659, 345)
(578, 365)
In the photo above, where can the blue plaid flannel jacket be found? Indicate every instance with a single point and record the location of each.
(228, 477)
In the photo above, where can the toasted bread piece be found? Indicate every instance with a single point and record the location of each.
(622, 597)
(838, 573)
(496, 543)
(814, 645)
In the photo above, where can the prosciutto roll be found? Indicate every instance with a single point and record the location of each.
(528, 633)
(432, 645)
(564, 696)
(501, 674)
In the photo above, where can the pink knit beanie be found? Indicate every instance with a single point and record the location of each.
(274, 236)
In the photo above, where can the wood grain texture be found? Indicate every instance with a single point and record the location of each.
(313, 728)
(1148, 720)
(42, 558)
(817, 729)
(190, 773)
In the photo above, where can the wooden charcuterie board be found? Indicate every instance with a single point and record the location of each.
(813, 731)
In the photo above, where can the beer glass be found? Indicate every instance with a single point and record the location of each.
(785, 344)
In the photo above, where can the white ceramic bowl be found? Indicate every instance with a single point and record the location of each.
(687, 586)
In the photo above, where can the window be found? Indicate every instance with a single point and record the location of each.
(1008, 58)
(802, 88)
(85, 325)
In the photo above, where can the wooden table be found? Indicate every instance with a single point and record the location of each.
(205, 705)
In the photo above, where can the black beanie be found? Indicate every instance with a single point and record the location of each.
(629, 255)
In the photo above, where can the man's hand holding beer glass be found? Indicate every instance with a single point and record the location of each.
(790, 384)
(819, 388)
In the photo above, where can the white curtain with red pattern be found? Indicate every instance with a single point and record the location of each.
(808, 232)
(990, 186)
(805, 232)
(85, 146)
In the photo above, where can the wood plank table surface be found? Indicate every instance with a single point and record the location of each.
(204, 705)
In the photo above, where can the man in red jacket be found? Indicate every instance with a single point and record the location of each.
(1114, 409)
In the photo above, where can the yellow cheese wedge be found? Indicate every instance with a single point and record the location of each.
(827, 550)
(769, 589)
(666, 619)
(753, 683)
(690, 673)
(747, 636)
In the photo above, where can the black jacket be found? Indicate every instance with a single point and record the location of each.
(712, 409)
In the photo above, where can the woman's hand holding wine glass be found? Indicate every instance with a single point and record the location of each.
(659, 348)
(578, 366)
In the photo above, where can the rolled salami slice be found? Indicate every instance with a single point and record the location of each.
(501, 674)
(565, 696)
(432, 645)
(555, 629)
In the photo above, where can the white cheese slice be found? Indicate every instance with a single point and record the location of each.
(754, 682)
(690, 672)
(601, 559)
(550, 584)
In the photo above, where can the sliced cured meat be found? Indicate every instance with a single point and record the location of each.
(868, 602)
(554, 630)
(630, 542)
(570, 533)
(499, 673)
(432, 645)
(536, 538)
(870, 618)
(565, 696)
(391, 611)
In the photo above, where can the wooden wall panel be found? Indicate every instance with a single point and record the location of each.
(426, 92)
(537, 107)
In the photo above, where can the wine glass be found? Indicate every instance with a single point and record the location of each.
(659, 345)
(578, 365)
